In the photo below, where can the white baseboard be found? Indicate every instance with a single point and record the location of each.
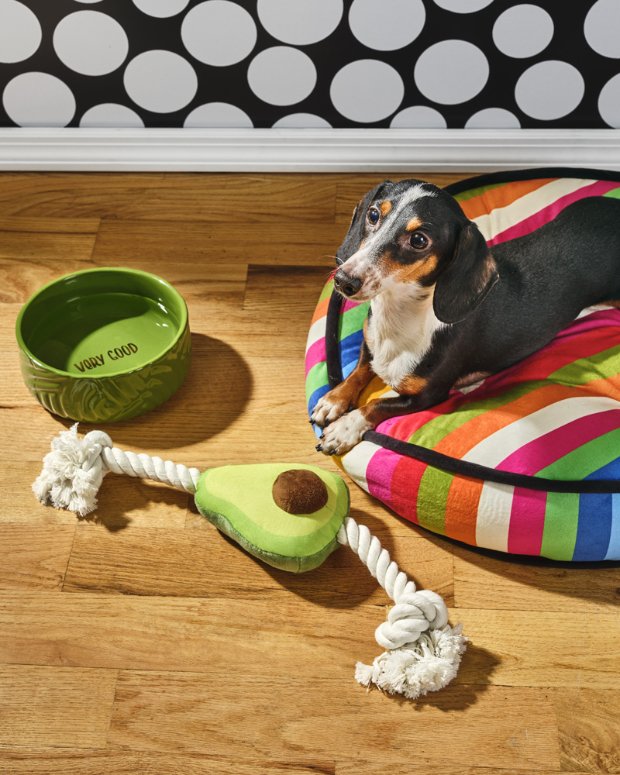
(306, 150)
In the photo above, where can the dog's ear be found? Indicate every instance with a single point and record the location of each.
(355, 233)
(468, 278)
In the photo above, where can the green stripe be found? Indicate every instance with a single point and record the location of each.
(432, 499)
(586, 459)
(327, 290)
(317, 377)
(614, 193)
(353, 320)
(434, 431)
(560, 530)
(605, 364)
(473, 192)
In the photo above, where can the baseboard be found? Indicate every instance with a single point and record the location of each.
(306, 150)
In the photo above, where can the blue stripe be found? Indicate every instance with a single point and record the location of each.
(596, 516)
(314, 398)
(593, 528)
(613, 551)
(350, 348)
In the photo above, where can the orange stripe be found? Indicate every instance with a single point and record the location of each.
(500, 197)
(321, 310)
(462, 439)
(462, 509)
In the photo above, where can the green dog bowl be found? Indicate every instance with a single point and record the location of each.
(104, 344)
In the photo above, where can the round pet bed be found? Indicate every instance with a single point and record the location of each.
(526, 461)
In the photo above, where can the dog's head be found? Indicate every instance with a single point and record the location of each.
(413, 235)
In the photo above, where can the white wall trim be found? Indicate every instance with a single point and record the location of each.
(306, 150)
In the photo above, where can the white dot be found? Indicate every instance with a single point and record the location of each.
(367, 90)
(20, 32)
(38, 99)
(217, 114)
(523, 31)
(398, 23)
(418, 117)
(219, 33)
(302, 121)
(282, 75)
(609, 102)
(451, 71)
(463, 6)
(602, 28)
(111, 114)
(493, 118)
(91, 43)
(161, 8)
(160, 81)
(549, 90)
(299, 22)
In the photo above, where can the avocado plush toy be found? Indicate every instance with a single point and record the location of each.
(287, 517)
(292, 517)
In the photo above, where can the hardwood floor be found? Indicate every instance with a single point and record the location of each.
(144, 643)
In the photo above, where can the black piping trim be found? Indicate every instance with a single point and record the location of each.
(453, 465)
(430, 456)
(332, 341)
(529, 174)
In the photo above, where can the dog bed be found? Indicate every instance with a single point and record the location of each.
(526, 461)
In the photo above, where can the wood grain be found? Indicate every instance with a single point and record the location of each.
(52, 706)
(142, 642)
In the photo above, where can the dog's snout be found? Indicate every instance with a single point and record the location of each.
(346, 284)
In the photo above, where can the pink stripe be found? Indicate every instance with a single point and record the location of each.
(316, 354)
(548, 213)
(546, 449)
(527, 520)
(348, 304)
(379, 473)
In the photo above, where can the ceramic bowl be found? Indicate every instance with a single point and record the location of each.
(104, 344)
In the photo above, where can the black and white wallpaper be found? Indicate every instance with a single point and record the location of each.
(310, 63)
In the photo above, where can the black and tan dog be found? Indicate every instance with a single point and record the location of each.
(444, 309)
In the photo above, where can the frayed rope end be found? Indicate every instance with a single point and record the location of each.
(72, 471)
(425, 666)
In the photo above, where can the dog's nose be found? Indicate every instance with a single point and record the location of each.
(346, 284)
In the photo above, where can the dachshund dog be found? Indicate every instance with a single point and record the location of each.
(445, 310)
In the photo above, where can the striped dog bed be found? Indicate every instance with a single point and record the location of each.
(526, 461)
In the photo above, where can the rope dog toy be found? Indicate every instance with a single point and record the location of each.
(290, 517)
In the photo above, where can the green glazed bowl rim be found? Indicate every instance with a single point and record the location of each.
(101, 270)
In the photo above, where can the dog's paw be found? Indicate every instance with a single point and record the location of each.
(328, 409)
(343, 434)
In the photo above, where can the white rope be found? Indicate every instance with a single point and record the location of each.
(422, 652)
(74, 468)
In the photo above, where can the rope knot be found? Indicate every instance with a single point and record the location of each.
(413, 614)
(73, 471)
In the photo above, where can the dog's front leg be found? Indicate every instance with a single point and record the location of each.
(341, 436)
(344, 396)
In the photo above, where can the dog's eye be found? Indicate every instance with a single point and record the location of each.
(418, 240)
(373, 215)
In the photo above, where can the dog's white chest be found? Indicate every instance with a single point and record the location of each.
(399, 334)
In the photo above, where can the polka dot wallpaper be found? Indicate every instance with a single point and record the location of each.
(310, 63)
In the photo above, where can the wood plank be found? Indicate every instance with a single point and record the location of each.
(154, 711)
(559, 649)
(199, 562)
(34, 556)
(305, 637)
(169, 196)
(55, 706)
(589, 729)
(23, 276)
(534, 585)
(118, 762)
(201, 245)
